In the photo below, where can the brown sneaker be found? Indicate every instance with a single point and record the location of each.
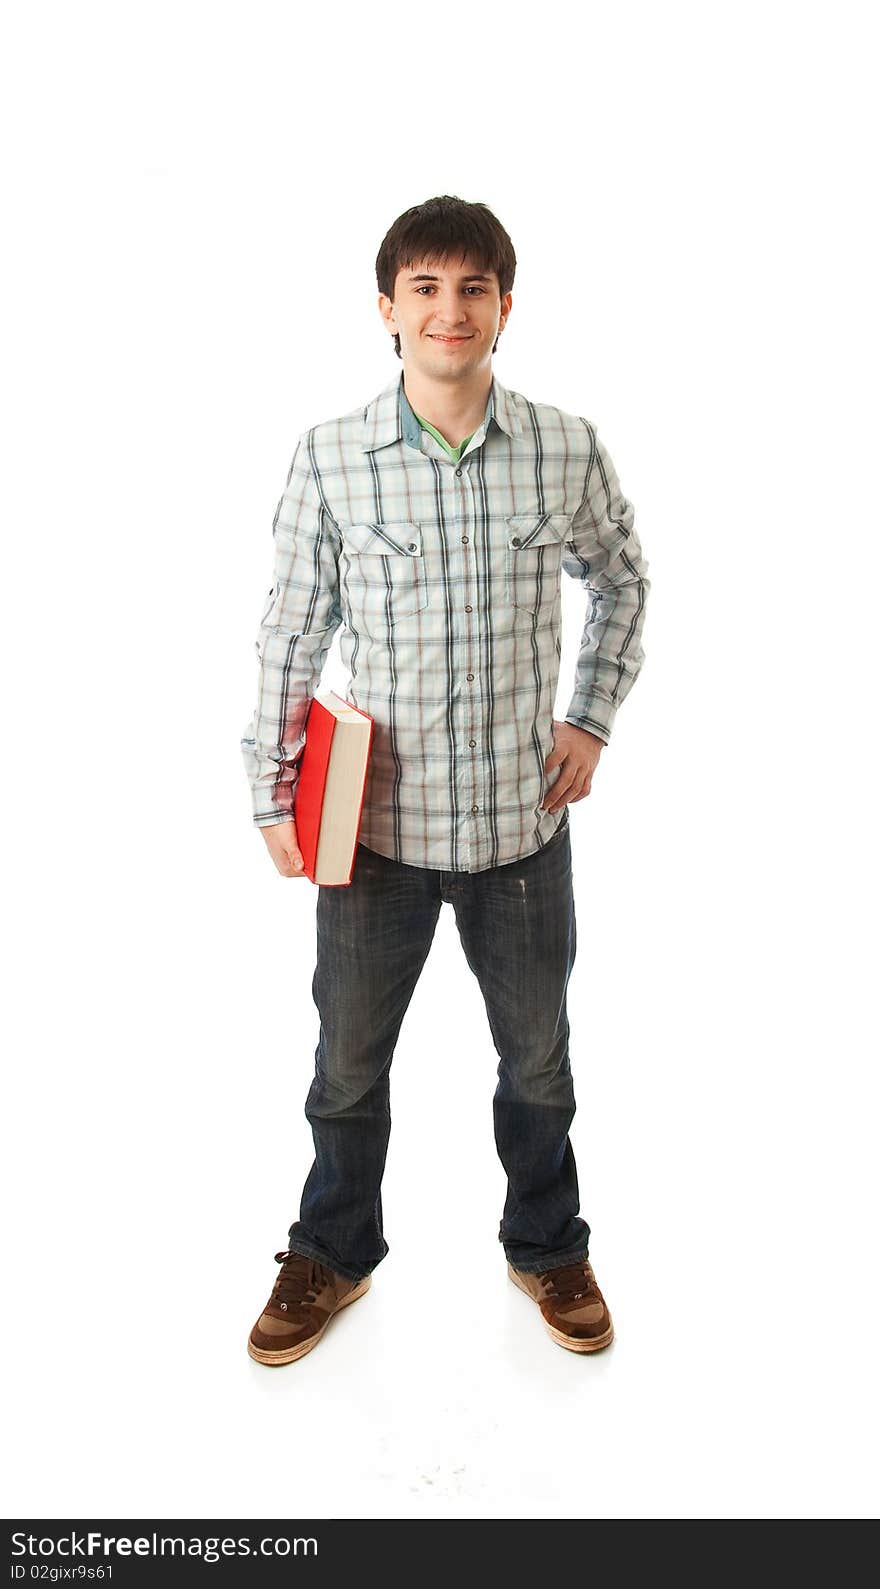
(573, 1306)
(304, 1299)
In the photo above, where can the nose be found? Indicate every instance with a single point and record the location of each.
(449, 314)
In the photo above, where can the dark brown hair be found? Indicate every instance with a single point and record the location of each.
(438, 229)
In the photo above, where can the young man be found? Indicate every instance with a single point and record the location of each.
(434, 524)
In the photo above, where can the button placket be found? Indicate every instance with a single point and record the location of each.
(475, 808)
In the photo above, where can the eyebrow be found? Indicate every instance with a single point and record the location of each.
(425, 277)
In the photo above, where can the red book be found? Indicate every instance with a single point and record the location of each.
(329, 797)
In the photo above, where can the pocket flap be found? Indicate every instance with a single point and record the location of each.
(401, 537)
(536, 529)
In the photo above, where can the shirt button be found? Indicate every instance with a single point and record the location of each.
(412, 546)
(458, 471)
(516, 541)
(468, 608)
(469, 675)
(465, 539)
(475, 808)
(472, 743)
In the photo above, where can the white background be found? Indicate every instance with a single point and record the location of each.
(194, 197)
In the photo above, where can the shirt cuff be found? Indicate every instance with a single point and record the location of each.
(593, 720)
(267, 812)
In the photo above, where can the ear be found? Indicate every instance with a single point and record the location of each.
(386, 310)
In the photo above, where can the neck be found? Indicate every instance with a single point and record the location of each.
(454, 408)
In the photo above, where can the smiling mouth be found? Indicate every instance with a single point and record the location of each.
(436, 337)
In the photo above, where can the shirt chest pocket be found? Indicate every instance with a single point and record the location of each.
(382, 572)
(533, 559)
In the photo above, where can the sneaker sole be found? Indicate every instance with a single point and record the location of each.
(570, 1345)
(291, 1353)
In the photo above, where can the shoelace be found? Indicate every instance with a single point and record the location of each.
(300, 1279)
(571, 1282)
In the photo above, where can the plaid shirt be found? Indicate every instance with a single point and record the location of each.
(446, 577)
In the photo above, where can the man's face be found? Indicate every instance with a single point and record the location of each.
(447, 315)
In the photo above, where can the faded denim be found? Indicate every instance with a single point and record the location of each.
(517, 927)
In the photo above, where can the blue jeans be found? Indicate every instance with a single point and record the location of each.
(517, 927)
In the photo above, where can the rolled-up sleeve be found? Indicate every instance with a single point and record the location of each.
(296, 631)
(603, 553)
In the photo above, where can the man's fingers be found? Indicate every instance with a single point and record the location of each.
(283, 844)
(563, 794)
(558, 794)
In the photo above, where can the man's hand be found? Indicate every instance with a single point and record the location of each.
(281, 842)
(578, 751)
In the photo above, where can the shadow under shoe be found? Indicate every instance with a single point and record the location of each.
(571, 1303)
(304, 1299)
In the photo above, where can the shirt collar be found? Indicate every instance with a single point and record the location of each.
(389, 416)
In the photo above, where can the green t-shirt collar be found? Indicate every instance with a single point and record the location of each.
(407, 410)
